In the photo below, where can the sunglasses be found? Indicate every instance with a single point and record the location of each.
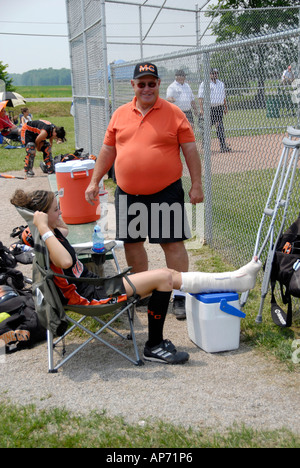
(151, 84)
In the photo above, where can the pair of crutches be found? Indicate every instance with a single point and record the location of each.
(283, 182)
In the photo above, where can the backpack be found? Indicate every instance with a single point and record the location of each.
(19, 309)
(21, 315)
(286, 271)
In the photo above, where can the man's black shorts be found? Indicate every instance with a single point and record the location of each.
(160, 216)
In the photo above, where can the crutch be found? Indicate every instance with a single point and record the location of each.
(285, 173)
(293, 132)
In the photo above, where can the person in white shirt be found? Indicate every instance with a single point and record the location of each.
(26, 116)
(288, 76)
(218, 106)
(180, 93)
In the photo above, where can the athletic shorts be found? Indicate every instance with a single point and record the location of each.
(160, 216)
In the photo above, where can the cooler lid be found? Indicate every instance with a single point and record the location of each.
(212, 298)
(78, 165)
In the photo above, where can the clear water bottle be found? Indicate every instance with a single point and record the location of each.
(98, 240)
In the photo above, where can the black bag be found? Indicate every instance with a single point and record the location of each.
(22, 317)
(7, 259)
(77, 155)
(286, 271)
(21, 311)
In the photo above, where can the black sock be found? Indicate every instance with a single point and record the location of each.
(157, 311)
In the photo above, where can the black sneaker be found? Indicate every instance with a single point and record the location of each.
(179, 307)
(165, 353)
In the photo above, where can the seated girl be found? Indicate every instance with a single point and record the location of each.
(156, 283)
(25, 116)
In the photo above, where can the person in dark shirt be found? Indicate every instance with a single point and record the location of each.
(34, 136)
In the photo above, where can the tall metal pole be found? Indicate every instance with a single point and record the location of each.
(141, 32)
(207, 150)
(105, 62)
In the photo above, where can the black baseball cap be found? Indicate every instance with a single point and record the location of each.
(145, 68)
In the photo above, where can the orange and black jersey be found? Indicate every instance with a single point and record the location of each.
(80, 293)
(31, 130)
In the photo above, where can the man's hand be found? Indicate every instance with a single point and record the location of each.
(91, 193)
(196, 194)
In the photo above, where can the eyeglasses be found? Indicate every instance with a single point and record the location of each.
(151, 84)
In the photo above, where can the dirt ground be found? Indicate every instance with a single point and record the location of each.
(211, 390)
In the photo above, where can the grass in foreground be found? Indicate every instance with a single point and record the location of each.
(26, 427)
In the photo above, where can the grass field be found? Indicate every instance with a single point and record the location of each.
(44, 91)
(28, 427)
(56, 112)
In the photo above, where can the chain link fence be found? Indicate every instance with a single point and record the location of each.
(87, 42)
(260, 108)
(251, 59)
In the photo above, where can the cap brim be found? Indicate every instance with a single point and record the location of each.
(146, 73)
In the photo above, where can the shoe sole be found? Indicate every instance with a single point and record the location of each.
(180, 317)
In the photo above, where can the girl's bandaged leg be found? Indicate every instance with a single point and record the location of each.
(240, 280)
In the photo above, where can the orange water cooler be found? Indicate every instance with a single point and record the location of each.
(72, 179)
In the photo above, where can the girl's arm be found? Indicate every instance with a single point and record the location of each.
(58, 254)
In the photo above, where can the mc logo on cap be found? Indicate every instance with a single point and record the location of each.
(145, 68)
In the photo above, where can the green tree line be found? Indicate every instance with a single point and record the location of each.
(42, 77)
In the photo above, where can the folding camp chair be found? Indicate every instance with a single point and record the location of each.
(55, 317)
(277, 204)
(10, 143)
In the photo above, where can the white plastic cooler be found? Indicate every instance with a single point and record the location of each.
(213, 321)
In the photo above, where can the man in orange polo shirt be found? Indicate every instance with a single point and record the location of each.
(143, 140)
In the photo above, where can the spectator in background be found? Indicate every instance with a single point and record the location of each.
(218, 106)
(180, 93)
(7, 128)
(26, 116)
(288, 76)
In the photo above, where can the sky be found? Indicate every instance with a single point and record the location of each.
(30, 51)
(34, 33)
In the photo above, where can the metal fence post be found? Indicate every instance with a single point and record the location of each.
(207, 151)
